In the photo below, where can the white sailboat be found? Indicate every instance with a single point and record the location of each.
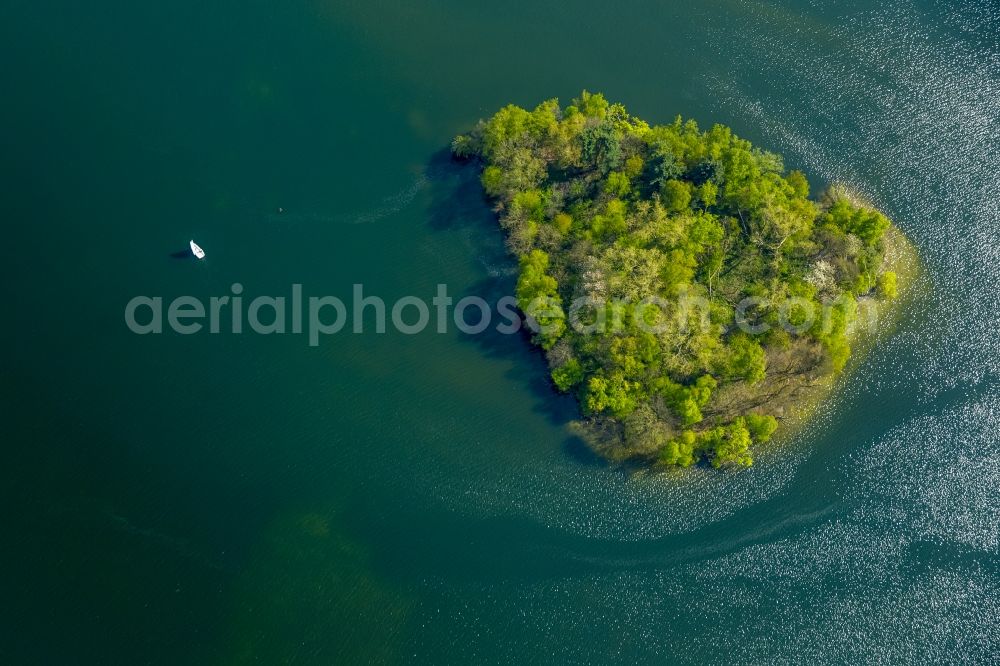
(197, 251)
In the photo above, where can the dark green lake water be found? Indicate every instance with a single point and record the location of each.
(248, 499)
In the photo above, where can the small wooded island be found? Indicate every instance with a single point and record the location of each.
(682, 284)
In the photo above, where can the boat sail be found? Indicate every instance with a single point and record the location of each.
(197, 251)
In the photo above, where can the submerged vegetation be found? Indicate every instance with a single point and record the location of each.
(682, 284)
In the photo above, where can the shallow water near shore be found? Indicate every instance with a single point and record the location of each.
(235, 499)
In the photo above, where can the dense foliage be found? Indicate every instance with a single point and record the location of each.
(604, 210)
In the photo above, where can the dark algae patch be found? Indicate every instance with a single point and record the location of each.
(683, 285)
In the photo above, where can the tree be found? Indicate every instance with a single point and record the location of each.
(676, 196)
(506, 127)
(644, 433)
(601, 145)
(731, 445)
(617, 184)
(538, 297)
(465, 146)
(567, 375)
(865, 223)
(664, 162)
(799, 183)
(681, 450)
(887, 285)
(634, 166)
(708, 194)
(613, 394)
(591, 105)
(562, 222)
(687, 401)
(761, 426)
(744, 359)
(492, 180)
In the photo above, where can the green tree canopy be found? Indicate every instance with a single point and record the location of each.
(598, 205)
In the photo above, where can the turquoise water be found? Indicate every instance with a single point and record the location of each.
(249, 499)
